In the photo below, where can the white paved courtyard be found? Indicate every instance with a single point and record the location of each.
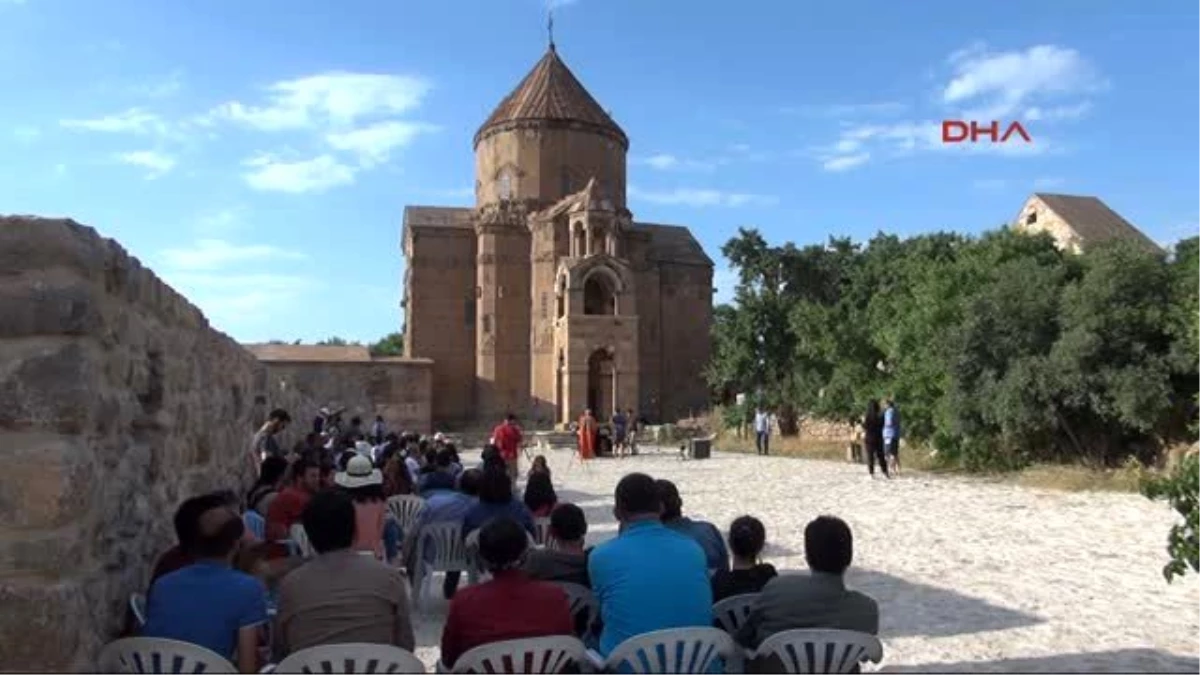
(970, 576)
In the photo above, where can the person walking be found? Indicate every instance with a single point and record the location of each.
(762, 431)
(891, 436)
(873, 438)
(587, 435)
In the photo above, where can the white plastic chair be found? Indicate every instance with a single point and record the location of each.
(449, 555)
(406, 509)
(820, 650)
(674, 650)
(731, 612)
(351, 658)
(300, 538)
(156, 655)
(137, 605)
(530, 655)
(541, 528)
(580, 599)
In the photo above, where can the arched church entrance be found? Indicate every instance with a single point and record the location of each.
(601, 377)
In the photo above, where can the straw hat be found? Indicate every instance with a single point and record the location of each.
(359, 473)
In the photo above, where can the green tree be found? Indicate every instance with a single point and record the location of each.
(1181, 489)
(391, 344)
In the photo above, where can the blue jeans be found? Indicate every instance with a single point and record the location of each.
(392, 536)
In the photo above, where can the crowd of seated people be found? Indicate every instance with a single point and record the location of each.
(220, 585)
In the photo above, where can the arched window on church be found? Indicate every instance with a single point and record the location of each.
(504, 184)
(600, 295)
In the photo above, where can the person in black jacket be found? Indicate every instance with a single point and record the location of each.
(873, 438)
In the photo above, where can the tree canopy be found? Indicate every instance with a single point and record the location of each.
(999, 349)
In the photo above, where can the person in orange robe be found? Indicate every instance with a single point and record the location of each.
(587, 435)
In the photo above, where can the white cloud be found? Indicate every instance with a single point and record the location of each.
(335, 99)
(840, 163)
(1044, 84)
(669, 162)
(156, 162)
(319, 174)
(374, 144)
(1048, 182)
(999, 84)
(26, 134)
(131, 121)
(698, 198)
(215, 254)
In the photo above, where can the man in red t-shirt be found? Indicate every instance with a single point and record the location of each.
(507, 438)
(287, 507)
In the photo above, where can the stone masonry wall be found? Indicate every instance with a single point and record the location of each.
(399, 389)
(117, 401)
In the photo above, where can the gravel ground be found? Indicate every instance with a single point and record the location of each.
(970, 576)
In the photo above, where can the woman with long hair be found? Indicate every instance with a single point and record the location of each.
(540, 498)
(873, 438)
(747, 538)
(539, 466)
(396, 478)
(270, 477)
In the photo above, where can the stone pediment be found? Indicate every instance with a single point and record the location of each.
(576, 270)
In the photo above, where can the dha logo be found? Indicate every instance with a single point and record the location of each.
(959, 131)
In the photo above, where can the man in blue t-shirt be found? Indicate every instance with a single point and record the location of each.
(716, 555)
(891, 436)
(208, 603)
(650, 577)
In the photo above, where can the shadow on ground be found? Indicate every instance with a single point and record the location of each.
(1114, 661)
(909, 609)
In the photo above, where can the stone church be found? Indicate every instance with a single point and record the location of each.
(546, 297)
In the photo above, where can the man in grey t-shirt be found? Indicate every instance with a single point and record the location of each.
(266, 442)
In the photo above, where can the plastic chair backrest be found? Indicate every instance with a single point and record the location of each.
(581, 599)
(298, 535)
(530, 655)
(137, 605)
(730, 613)
(674, 650)
(256, 524)
(406, 509)
(156, 655)
(541, 528)
(449, 551)
(351, 658)
(821, 650)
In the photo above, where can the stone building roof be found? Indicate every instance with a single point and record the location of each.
(276, 352)
(437, 216)
(550, 92)
(674, 243)
(1092, 219)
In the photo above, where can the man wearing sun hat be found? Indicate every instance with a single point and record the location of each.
(364, 484)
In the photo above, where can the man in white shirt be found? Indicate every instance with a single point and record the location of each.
(762, 431)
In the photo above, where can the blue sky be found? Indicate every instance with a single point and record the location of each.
(258, 155)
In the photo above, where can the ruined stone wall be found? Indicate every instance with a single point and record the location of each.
(117, 401)
(1045, 220)
(399, 389)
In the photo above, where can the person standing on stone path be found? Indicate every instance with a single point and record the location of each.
(265, 443)
(873, 438)
(620, 433)
(378, 430)
(587, 435)
(507, 438)
(891, 436)
(762, 431)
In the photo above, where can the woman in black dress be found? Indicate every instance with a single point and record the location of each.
(873, 438)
